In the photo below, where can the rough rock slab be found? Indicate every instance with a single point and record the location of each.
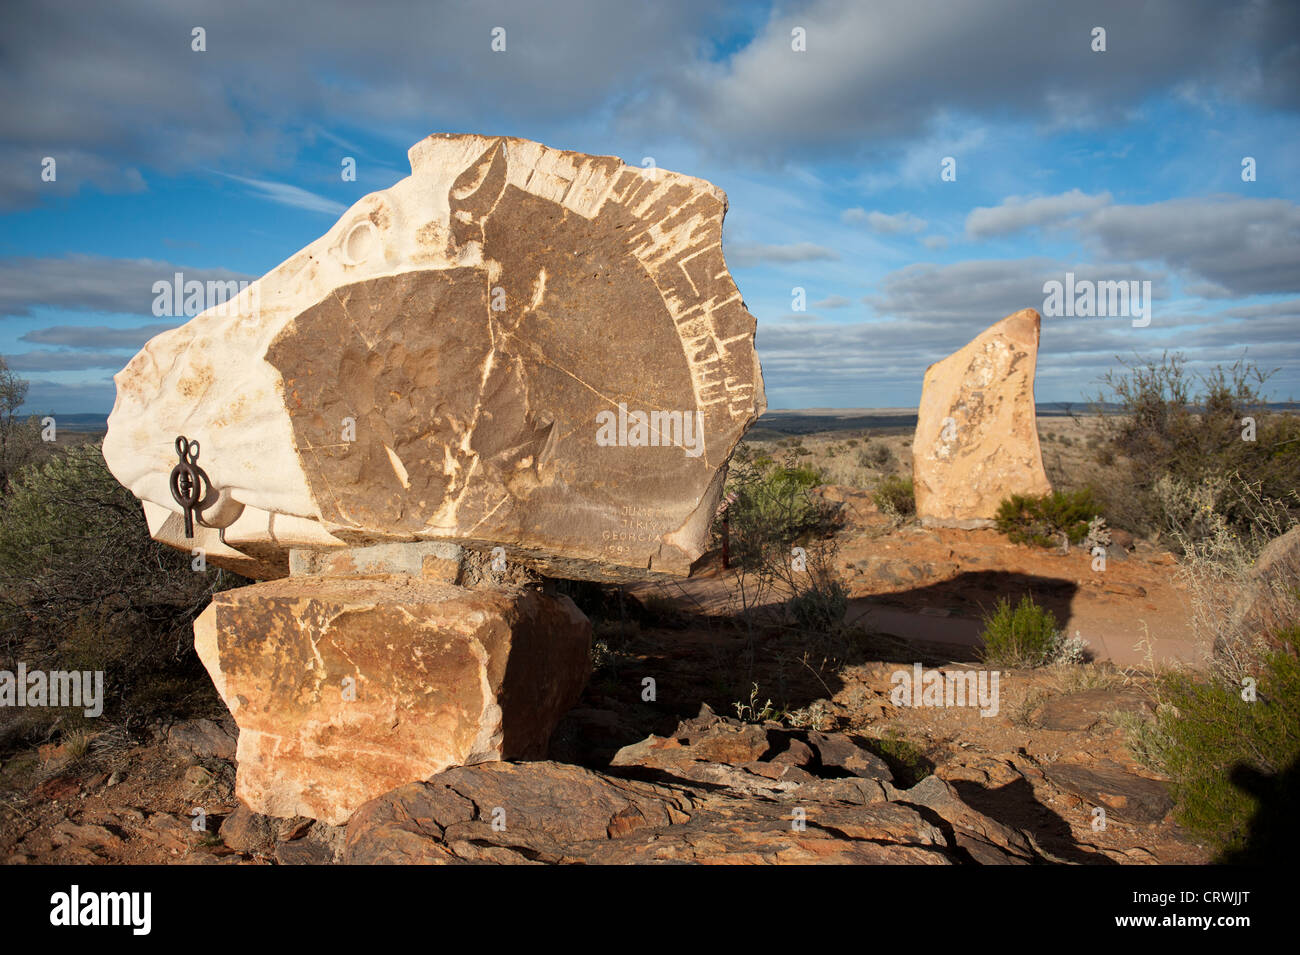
(976, 432)
(346, 688)
(1124, 795)
(249, 832)
(988, 841)
(547, 812)
(749, 757)
(1084, 709)
(472, 355)
(204, 738)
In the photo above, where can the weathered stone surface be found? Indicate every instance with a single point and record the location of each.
(837, 751)
(319, 844)
(976, 433)
(441, 676)
(537, 807)
(432, 368)
(1084, 709)
(203, 738)
(249, 832)
(1124, 795)
(436, 559)
(748, 757)
(987, 841)
(548, 812)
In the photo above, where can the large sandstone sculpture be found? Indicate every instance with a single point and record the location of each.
(976, 437)
(536, 354)
(515, 346)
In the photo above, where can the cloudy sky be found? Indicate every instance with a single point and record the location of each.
(1117, 165)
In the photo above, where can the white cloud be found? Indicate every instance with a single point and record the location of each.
(287, 195)
(91, 283)
(1018, 212)
(833, 301)
(742, 255)
(884, 223)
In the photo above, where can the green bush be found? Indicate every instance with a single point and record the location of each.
(1022, 636)
(1042, 520)
(895, 496)
(770, 507)
(1231, 761)
(83, 586)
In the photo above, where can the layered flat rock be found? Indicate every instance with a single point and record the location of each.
(344, 688)
(514, 346)
(977, 433)
(548, 812)
(1122, 794)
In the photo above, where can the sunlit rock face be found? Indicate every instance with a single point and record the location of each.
(344, 688)
(514, 346)
(977, 428)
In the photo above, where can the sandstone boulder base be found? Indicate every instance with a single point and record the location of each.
(515, 346)
(977, 433)
(346, 688)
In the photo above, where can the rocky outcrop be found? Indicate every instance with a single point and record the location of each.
(976, 435)
(515, 346)
(1082, 710)
(344, 688)
(204, 739)
(716, 791)
(1122, 794)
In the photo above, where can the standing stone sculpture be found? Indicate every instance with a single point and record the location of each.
(532, 353)
(976, 437)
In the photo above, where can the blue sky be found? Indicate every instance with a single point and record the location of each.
(1115, 165)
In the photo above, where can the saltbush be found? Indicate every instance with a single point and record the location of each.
(84, 587)
(1175, 427)
(1232, 761)
(896, 497)
(1025, 635)
(1045, 519)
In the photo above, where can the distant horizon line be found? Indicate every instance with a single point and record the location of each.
(101, 417)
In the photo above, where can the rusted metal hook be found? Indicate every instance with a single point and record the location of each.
(190, 485)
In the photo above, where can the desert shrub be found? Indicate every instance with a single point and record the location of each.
(1175, 426)
(1231, 762)
(1219, 561)
(755, 712)
(782, 547)
(83, 586)
(20, 438)
(770, 506)
(875, 455)
(1026, 635)
(820, 602)
(1044, 519)
(895, 497)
